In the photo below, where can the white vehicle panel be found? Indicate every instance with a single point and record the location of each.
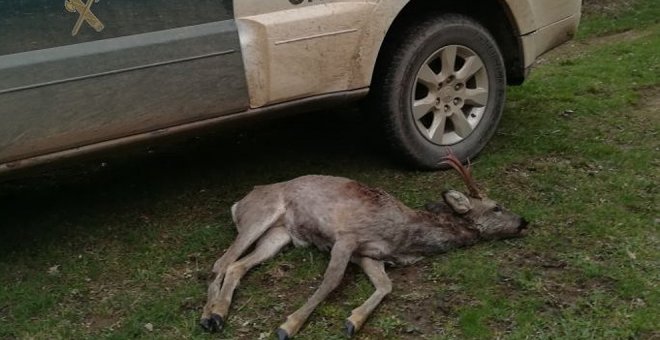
(294, 51)
(549, 12)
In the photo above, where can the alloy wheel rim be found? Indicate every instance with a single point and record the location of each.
(449, 95)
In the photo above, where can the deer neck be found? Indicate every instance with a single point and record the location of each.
(438, 233)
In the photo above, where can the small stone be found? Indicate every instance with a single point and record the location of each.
(54, 270)
(149, 327)
(567, 113)
(639, 303)
(412, 329)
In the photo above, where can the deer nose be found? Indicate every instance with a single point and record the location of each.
(523, 224)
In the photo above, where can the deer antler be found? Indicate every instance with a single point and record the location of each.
(465, 173)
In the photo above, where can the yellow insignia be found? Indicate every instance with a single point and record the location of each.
(86, 15)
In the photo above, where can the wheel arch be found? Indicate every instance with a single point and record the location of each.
(505, 32)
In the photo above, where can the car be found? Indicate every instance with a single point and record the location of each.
(81, 76)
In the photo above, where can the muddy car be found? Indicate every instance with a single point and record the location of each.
(79, 76)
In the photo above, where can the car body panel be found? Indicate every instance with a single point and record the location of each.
(76, 94)
(531, 15)
(543, 25)
(329, 100)
(39, 24)
(521, 15)
(294, 51)
(547, 13)
(548, 37)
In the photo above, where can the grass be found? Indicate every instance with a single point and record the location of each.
(106, 251)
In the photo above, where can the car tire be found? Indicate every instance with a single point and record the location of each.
(456, 108)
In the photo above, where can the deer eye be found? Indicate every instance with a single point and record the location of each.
(497, 208)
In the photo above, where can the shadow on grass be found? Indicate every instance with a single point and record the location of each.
(50, 207)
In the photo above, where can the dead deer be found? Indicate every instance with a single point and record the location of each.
(354, 223)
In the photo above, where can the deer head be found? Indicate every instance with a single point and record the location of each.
(489, 218)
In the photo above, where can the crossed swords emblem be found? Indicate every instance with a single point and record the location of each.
(85, 14)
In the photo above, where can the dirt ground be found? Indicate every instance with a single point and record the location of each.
(607, 7)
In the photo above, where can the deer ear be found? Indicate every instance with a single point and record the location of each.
(457, 201)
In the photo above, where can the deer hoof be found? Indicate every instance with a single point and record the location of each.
(212, 324)
(282, 334)
(350, 328)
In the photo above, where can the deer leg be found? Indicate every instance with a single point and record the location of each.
(375, 270)
(268, 246)
(339, 258)
(246, 237)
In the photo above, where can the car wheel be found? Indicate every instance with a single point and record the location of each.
(440, 85)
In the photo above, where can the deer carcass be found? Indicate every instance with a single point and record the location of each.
(354, 223)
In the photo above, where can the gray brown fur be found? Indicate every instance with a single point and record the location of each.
(355, 223)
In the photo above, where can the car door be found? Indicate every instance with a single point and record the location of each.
(78, 72)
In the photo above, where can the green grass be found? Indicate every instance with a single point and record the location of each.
(576, 153)
(617, 16)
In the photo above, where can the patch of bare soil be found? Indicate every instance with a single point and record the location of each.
(418, 302)
(605, 7)
(578, 48)
(561, 285)
(609, 8)
(650, 99)
(97, 322)
(424, 310)
(251, 317)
